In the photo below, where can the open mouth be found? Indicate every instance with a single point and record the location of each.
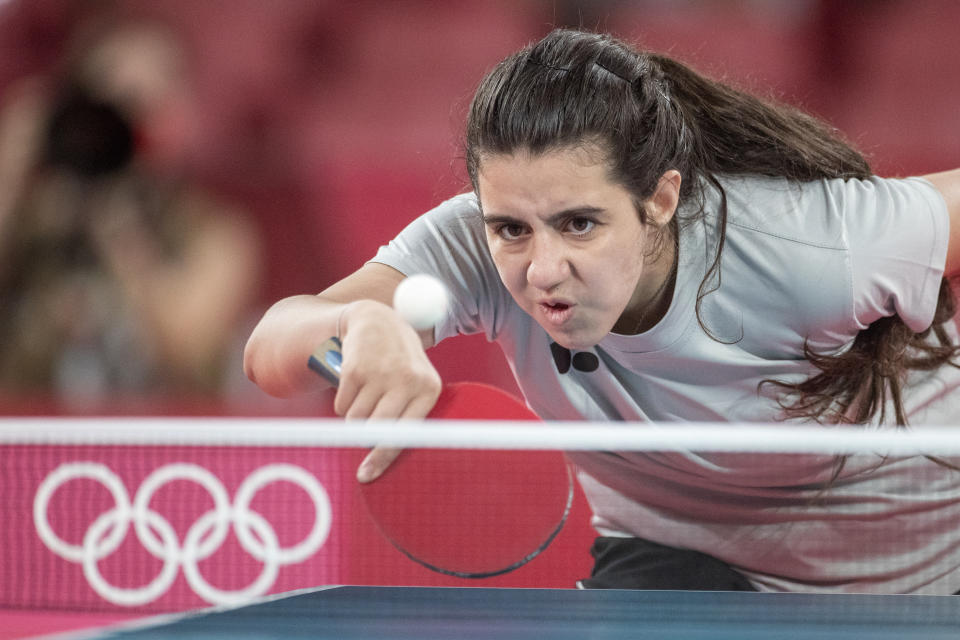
(556, 312)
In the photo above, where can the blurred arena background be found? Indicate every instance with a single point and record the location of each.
(329, 125)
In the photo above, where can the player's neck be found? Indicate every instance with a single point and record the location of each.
(654, 298)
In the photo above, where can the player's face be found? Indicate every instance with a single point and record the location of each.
(568, 243)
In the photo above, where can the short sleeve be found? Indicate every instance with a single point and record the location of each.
(897, 232)
(449, 242)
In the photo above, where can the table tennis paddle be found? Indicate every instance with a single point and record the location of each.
(464, 512)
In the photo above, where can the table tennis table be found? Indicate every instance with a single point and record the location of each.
(466, 613)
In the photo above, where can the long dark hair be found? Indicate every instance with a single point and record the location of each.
(650, 114)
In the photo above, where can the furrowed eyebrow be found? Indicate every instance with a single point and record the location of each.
(553, 219)
(496, 219)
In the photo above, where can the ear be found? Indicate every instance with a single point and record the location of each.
(663, 203)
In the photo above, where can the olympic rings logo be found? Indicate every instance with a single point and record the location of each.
(255, 535)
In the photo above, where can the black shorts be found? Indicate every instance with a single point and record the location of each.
(632, 563)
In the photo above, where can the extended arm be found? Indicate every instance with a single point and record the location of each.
(948, 183)
(386, 373)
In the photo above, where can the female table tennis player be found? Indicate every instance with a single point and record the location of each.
(648, 244)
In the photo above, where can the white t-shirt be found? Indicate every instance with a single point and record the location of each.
(812, 263)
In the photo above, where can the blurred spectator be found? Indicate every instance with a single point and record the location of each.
(117, 275)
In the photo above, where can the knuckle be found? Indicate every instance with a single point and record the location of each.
(426, 384)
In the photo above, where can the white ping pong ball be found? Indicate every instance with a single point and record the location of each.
(421, 300)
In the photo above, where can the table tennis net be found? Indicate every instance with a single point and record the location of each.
(173, 514)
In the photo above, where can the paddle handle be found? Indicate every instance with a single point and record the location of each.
(327, 360)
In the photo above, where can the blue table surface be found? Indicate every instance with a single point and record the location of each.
(432, 613)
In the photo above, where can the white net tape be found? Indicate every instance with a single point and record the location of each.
(564, 436)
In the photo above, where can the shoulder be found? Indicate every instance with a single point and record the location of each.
(460, 209)
(853, 250)
(455, 226)
(807, 213)
(784, 265)
(826, 214)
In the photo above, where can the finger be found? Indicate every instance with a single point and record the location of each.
(346, 394)
(420, 407)
(380, 458)
(363, 404)
(376, 463)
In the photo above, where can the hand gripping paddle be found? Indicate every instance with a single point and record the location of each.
(463, 512)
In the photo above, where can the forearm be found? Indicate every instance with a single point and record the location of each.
(381, 351)
(276, 354)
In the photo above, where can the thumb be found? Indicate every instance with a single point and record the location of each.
(376, 463)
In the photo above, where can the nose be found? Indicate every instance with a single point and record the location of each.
(549, 264)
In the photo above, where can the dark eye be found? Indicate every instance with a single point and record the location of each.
(581, 226)
(510, 231)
